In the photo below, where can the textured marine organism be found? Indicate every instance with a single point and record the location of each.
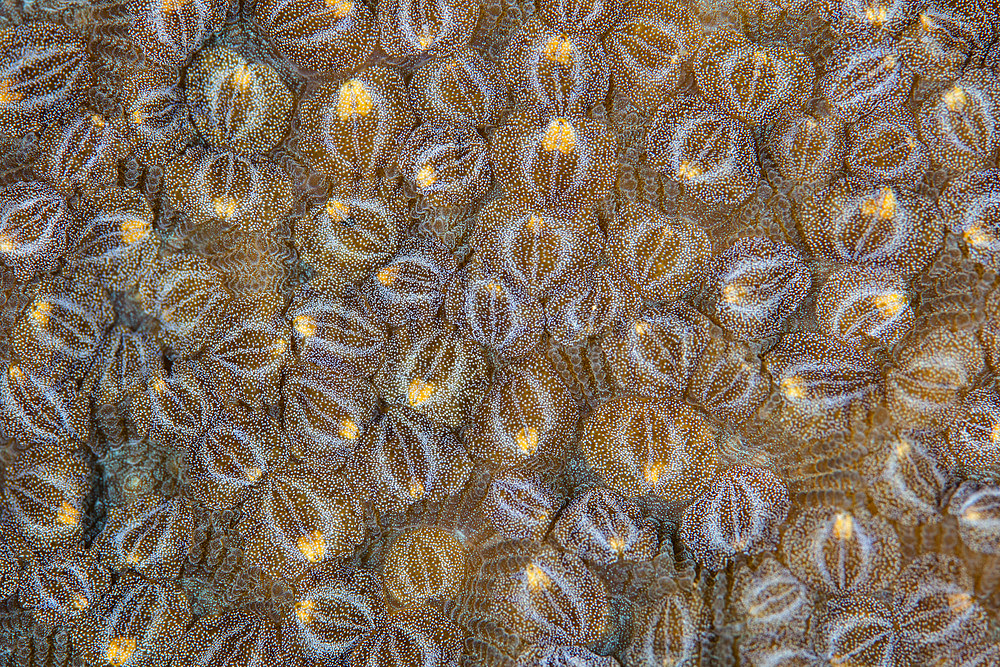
(339, 333)
(231, 455)
(808, 149)
(937, 366)
(133, 623)
(412, 28)
(603, 528)
(648, 47)
(739, 513)
(655, 353)
(860, 304)
(498, 314)
(440, 374)
(958, 124)
(707, 152)
(348, 129)
(874, 225)
(841, 552)
(757, 84)
(553, 597)
(462, 89)
(317, 35)
(553, 160)
(236, 104)
(299, 519)
(641, 445)
(150, 536)
(758, 284)
(541, 249)
(663, 257)
(45, 494)
(549, 70)
(528, 414)
(447, 165)
(34, 221)
(328, 412)
(405, 458)
(333, 612)
(41, 66)
(520, 504)
(424, 564)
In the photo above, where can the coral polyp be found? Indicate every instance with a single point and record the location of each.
(501, 333)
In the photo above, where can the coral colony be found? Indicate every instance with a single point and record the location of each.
(512, 333)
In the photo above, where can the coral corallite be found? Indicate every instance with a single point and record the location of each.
(500, 333)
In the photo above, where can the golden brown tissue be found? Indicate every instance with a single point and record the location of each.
(499, 333)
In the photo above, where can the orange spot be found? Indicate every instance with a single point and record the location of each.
(7, 93)
(494, 288)
(559, 136)
(618, 544)
(882, 207)
(641, 328)
(253, 474)
(312, 546)
(535, 223)
(158, 385)
(559, 50)
(340, 8)
(134, 230)
(688, 171)
(225, 206)
(793, 387)
(387, 276)
(120, 649)
(903, 449)
(890, 304)
(995, 433)
(138, 118)
(959, 602)
(416, 488)
(68, 515)
(527, 440)
(337, 210)
(734, 293)
(354, 100)
(977, 237)
(537, 579)
(843, 527)
(304, 611)
(419, 392)
(876, 14)
(80, 602)
(241, 78)
(304, 325)
(426, 176)
(171, 6)
(132, 558)
(652, 473)
(426, 38)
(97, 120)
(6, 243)
(925, 22)
(955, 98)
(349, 430)
(15, 373)
(42, 312)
